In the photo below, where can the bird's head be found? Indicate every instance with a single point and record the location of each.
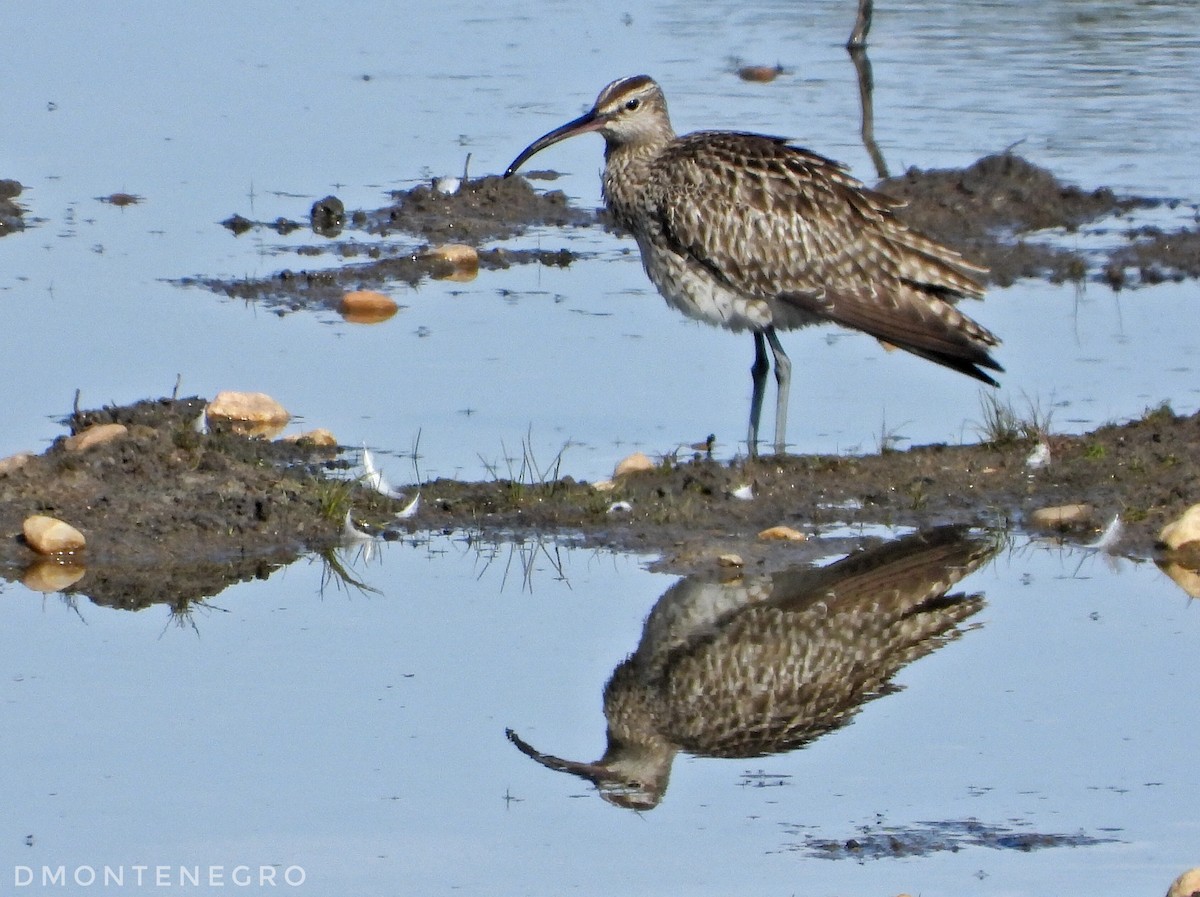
(628, 112)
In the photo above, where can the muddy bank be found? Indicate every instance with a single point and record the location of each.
(173, 515)
(990, 211)
(1145, 471)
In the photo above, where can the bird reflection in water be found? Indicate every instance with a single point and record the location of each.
(763, 665)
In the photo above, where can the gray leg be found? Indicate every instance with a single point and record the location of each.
(783, 381)
(758, 376)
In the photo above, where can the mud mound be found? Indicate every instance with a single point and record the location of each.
(172, 514)
(488, 208)
(984, 210)
(11, 214)
(1156, 256)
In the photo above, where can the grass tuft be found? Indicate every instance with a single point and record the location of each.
(1002, 425)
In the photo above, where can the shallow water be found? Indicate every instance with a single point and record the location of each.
(361, 735)
(264, 114)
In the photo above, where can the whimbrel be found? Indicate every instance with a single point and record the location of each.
(750, 232)
(766, 664)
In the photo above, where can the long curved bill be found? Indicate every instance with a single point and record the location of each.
(593, 771)
(590, 121)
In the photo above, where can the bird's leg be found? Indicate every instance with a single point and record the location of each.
(758, 376)
(783, 381)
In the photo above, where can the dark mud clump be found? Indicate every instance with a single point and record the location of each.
(986, 209)
(1154, 256)
(173, 514)
(120, 200)
(489, 208)
(11, 214)
(472, 211)
(476, 211)
(879, 840)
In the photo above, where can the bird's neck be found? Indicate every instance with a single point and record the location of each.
(626, 175)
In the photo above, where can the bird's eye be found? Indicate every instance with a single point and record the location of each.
(632, 104)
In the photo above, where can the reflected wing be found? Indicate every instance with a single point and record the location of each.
(782, 672)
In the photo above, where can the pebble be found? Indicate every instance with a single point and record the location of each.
(1062, 516)
(1184, 577)
(635, 463)
(51, 575)
(1182, 531)
(94, 436)
(762, 74)
(14, 462)
(49, 535)
(367, 307)
(463, 259)
(250, 413)
(320, 436)
(731, 560)
(1187, 885)
(783, 533)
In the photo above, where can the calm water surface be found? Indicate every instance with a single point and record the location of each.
(252, 111)
(361, 735)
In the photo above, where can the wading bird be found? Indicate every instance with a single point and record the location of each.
(749, 232)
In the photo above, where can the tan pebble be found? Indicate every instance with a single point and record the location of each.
(319, 436)
(367, 307)
(1182, 531)
(1184, 577)
(256, 406)
(1062, 516)
(731, 560)
(454, 253)
(458, 275)
(760, 73)
(49, 535)
(783, 533)
(462, 259)
(635, 463)
(1187, 885)
(362, 299)
(14, 462)
(93, 436)
(249, 413)
(604, 485)
(51, 575)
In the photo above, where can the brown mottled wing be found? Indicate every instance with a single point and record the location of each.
(780, 673)
(779, 223)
